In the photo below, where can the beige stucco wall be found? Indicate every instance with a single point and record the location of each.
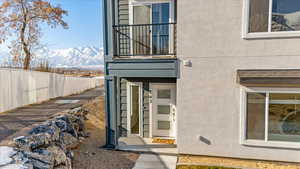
(209, 34)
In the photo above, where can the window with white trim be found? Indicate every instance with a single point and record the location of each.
(272, 16)
(272, 116)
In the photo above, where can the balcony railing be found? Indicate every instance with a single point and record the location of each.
(145, 40)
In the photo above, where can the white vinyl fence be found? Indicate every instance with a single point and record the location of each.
(20, 87)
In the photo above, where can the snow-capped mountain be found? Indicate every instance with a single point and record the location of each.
(81, 57)
(73, 57)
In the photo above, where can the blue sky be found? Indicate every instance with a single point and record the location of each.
(85, 22)
(85, 26)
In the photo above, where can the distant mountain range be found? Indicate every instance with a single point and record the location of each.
(79, 57)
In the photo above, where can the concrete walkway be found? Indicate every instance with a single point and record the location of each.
(153, 155)
(20, 118)
(138, 144)
(156, 161)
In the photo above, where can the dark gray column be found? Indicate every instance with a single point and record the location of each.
(111, 111)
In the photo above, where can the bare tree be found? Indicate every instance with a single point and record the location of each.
(22, 19)
(43, 66)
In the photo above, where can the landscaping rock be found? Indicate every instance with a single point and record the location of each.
(79, 112)
(15, 166)
(42, 159)
(60, 157)
(47, 146)
(61, 124)
(69, 141)
(5, 155)
(50, 128)
(34, 141)
(68, 126)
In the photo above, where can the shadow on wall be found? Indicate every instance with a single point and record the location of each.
(20, 87)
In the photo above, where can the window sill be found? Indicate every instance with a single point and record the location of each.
(271, 144)
(271, 35)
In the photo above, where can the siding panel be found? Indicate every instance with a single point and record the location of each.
(123, 107)
(123, 12)
(146, 102)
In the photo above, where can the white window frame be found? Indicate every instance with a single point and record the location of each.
(133, 3)
(257, 35)
(243, 119)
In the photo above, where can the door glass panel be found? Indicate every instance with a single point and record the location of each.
(141, 14)
(164, 94)
(141, 33)
(163, 109)
(135, 109)
(163, 125)
(160, 29)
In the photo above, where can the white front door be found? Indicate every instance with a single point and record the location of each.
(163, 110)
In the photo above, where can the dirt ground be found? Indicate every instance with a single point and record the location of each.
(236, 163)
(89, 155)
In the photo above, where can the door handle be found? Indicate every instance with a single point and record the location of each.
(173, 112)
(174, 116)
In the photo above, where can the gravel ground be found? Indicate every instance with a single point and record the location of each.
(88, 155)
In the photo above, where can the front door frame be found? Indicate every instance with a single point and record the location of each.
(140, 85)
(151, 109)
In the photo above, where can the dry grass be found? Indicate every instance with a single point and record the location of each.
(238, 163)
(89, 155)
(201, 167)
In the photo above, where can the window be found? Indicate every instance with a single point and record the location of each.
(272, 18)
(272, 117)
(163, 109)
(258, 15)
(164, 94)
(284, 117)
(256, 103)
(163, 125)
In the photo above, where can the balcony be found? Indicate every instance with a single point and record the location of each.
(145, 40)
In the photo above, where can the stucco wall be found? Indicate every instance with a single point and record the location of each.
(209, 35)
(19, 88)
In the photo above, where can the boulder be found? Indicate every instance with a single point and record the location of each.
(29, 143)
(16, 166)
(65, 124)
(69, 140)
(5, 155)
(67, 165)
(49, 145)
(48, 127)
(60, 156)
(79, 112)
(79, 126)
(39, 160)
